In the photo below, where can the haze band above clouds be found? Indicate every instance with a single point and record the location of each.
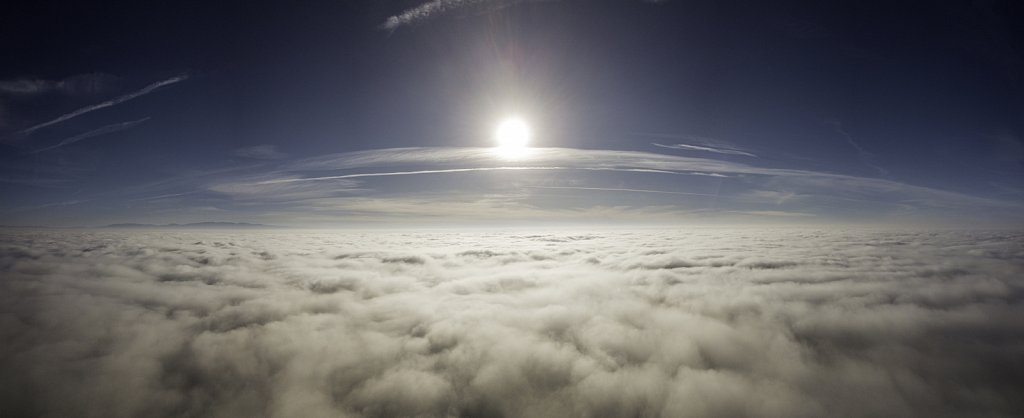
(464, 160)
(698, 322)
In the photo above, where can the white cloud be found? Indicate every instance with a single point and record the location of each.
(695, 322)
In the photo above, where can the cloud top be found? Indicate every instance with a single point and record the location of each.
(697, 322)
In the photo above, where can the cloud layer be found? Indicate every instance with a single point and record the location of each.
(699, 322)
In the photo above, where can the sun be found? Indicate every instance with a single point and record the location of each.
(513, 137)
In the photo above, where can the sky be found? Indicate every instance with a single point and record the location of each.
(341, 113)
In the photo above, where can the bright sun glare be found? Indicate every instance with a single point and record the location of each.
(513, 137)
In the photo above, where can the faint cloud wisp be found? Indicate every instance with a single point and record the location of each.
(116, 127)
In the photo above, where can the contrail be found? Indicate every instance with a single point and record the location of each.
(95, 132)
(146, 90)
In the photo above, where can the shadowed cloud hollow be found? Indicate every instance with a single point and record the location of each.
(697, 322)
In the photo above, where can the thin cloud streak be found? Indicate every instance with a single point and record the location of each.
(705, 149)
(436, 7)
(109, 129)
(402, 173)
(570, 157)
(612, 189)
(76, 85)
(121, 99)
(163, 196)
(452, 170)
(260, 152)
(866, 157)
(429, 9)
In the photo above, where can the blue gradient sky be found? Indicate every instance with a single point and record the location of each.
(335, 113)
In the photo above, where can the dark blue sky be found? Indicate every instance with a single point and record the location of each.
(297, 113)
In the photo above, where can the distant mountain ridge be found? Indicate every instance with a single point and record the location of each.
(197, 225)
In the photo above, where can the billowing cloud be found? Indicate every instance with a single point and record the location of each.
(697, 322)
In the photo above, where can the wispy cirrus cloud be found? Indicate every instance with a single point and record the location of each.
(776, 213)
(617, 189)
(865, 157)
(688, 142)
(81, 84)
(280, 190)
(37, 182)
(24, 86)
(388, 162)
(471, 184)
(438, 7)
(109, 129)
(105, 104)
(432, 8)
(560, 157)
(705, 148)
(260, 152)
(459, 170)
